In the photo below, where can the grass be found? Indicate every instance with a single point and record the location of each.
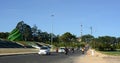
(114, 53)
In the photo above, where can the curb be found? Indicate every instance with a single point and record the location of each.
(16, 53)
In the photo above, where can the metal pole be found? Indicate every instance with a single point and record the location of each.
(81, 31)
(92, 38)
(52, 30)
(91, 30)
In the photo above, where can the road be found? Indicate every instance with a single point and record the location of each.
(35, 58)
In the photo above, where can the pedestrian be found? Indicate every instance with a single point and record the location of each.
(92, 52)
(66, 51)
(57, 50)
(72, 50)
(82, 50)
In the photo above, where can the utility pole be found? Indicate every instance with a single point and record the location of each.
(91, 30)
(81, 32)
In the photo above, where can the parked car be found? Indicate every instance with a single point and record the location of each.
(44, 50)
(61, 50)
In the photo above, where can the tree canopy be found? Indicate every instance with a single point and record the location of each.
(27, 33)
(67, 37)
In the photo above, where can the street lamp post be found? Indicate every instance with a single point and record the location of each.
(52, 30)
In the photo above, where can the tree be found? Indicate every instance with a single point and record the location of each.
(25, 30)
(20, 26)
(39, 37)
(45, 37)
(34, 32)
(67, 38)
(87, 38)
(4, 35)
(118, 42)
(56, 40)
(105, 43)
(27, 33)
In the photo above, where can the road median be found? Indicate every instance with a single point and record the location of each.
(11, 51)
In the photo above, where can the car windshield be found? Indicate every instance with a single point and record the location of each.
(62, 48)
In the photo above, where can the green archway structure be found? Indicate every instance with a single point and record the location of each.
(15, 35)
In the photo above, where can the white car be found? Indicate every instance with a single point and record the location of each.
(44, 50)
(61, 50)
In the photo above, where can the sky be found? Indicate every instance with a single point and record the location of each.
(102, 15)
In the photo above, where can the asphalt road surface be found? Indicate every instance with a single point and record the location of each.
(36, 58)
